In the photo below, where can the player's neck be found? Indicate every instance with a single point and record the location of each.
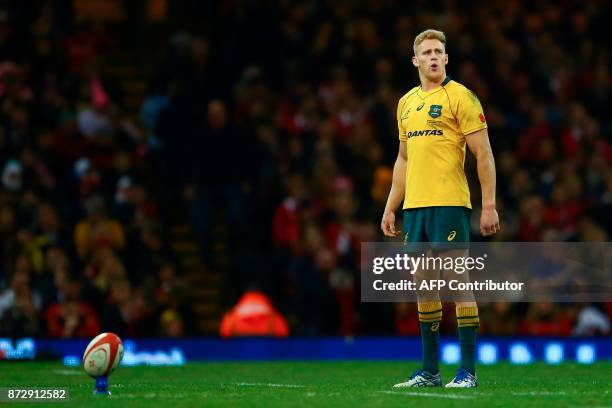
(428, 85)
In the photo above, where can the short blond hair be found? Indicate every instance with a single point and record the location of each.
(429, 35)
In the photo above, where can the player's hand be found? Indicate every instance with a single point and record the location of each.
(387, 225)
(489, 221)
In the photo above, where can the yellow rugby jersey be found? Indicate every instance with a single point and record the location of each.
(434, 125)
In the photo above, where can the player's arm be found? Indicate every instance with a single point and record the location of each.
(478, 143)
(396, 195)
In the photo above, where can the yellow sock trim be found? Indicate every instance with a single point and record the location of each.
(468, 322)
(430, 312)
(467, 311)
(425, 307)
(467, 316)
(437, 319)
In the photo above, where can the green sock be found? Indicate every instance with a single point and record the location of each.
(430, 337)
(467, 340)
(468, 321)
(430, 315)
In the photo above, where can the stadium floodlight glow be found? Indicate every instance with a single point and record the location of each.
(487, 353)
(129, 345)
(71, 361)
(26, 348)
(553, 353)
(520, 354)
(23, 349)
(451, 353)
(6, 345)
(175, 357)
(586, 354)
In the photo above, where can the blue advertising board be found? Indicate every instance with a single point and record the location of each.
(517, 350)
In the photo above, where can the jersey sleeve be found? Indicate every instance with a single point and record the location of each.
(400, 127)
(469, 114)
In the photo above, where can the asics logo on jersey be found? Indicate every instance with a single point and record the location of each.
(421, 106)
(428, 132)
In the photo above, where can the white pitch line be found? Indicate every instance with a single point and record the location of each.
(428, 394)
(243, 384)
(537, 393)
(68, 372)
(589, 406)
(149, 395)
(129, 396)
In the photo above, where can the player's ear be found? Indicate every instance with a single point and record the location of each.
(415, 61)
(445, 59)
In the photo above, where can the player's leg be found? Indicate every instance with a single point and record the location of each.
(467, 327)
(450, 230)
(429, 306)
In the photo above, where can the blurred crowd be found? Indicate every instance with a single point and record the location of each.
(82, 246)
(276, 123)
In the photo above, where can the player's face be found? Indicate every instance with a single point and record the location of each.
(431, 59)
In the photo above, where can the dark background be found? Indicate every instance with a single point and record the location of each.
(159, 157)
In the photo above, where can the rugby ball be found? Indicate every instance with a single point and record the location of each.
(102, 355)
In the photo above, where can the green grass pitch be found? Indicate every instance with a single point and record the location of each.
(330, 384)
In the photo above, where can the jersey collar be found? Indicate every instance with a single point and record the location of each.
(436, 89)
